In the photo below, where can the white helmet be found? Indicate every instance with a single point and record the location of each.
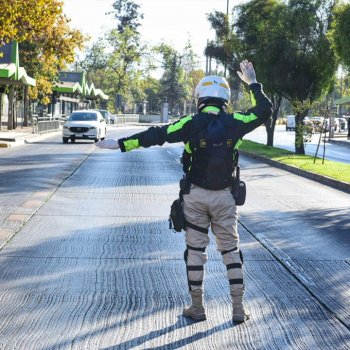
(213, 86)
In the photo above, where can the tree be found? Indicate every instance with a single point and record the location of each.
(128, 15)
(340, 33)
(308, 57)
(289, 46)
(114, 61)
(250, 37)
(151, 87)
(22, 20)
(259, 29)
(192, 76)
(49, 53)
(173, 82)
(46, 43)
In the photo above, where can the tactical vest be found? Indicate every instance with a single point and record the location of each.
(213, 155)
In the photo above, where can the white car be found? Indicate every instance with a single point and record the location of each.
(84, 124)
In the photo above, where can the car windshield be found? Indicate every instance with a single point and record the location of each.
(104, 113)
(83, 116)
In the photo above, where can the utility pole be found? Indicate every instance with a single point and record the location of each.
(227, 8)
(207, 61)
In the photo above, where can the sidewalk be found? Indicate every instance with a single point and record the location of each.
(9, 138)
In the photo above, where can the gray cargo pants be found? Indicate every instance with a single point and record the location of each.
(203, 208)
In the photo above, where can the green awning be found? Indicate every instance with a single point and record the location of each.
(75, 83)
(343, 100)
(10, 71)
(66, 87)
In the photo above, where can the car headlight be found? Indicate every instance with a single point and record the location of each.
(65, 127)
(93, 127)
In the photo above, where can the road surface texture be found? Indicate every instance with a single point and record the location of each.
(94, 265)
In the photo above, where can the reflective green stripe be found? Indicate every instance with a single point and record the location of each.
(238, 143)
(178, 125)
(187, 148)
(211, 109)
(252, 98)
(245, 118)
(131, 144)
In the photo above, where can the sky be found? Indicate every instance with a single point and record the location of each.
(171, 21)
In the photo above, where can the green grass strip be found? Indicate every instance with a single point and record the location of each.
(335, 170)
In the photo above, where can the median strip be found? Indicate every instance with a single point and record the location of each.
(330, 173)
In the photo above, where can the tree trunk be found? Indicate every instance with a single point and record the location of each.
(0, 110)
(10, 118)
(26, 107)
(270, 124)
(299, 132)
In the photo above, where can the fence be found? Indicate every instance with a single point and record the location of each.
(136, 118)
(125, 118)
(45, 124)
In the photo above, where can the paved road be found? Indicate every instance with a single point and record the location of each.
(95, 266)
(286, 139)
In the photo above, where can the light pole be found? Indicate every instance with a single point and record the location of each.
(227, 7)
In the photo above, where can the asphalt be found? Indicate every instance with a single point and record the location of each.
(81, 273)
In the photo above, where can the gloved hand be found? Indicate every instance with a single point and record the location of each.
(247, 73)
(109, 143)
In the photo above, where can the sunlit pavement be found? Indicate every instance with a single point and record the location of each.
(96, 267)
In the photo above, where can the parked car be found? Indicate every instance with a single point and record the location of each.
(84, 124)
(105, 114)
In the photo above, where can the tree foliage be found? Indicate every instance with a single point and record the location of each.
(124, 59)
(128, 14)
(340, 33)
(52, 50)
(114, 61)
(122, 65)
(22, 20)
(259, 40)
(46, 42)
(179, 78)
(287, 41)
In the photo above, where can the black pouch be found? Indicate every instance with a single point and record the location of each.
(239, 192)
(176, 217)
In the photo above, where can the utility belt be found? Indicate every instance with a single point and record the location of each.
(177, 219)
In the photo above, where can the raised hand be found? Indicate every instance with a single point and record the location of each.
(247, 73)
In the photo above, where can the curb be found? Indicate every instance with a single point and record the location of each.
(324, 180)
(22, 139)
(340, 143)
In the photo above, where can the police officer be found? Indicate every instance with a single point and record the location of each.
(211, 138)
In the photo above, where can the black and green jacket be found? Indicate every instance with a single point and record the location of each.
(193, 132)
